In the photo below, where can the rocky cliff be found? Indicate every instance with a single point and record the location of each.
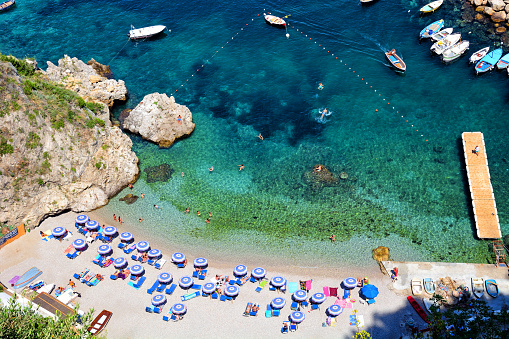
(59, 152)
(159, 119)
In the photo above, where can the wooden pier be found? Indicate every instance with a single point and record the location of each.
(481, 191)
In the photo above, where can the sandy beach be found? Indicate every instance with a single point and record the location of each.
(212, 318)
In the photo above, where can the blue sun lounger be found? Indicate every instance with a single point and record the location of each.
(153, 288)
(171, 289)
(189, 296)
(161, 287)
(268, 312)
(294, 306)
(196, 287)
(248, 307)
(140, 282)
(128, 250)
(165, 317)
(346, 294)
(121, 245)
(275, 312)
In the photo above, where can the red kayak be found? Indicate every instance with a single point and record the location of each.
(418, 309)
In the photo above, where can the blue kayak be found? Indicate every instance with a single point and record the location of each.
(431, 29)
(489, 61)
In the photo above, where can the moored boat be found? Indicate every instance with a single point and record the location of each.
(99, 322)
(367, 1)
(431, 7)
(478, 55)
(440, 46)
(431, 29)
(6, 5)
(416, 287)
(441, 34)
(455, 51)
(274, 20)
(477, 287)
(503, 63)
(491, 287)
(429, 285)
(488, 62)
(418, 308)
(395, 60)
(145, 32)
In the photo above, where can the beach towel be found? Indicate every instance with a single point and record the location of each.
(292, 287)
(308, 285)
(333, 291)
(326, 290)
(353, 320)
(68, 249)
(360, 321)
(130, 283)
(302, 284)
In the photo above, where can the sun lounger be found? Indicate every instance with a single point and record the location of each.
(174, 318)
(107, 239)
(275, 312)
(326, 290)
(304, 304)
(165, 317)
(149, 309)
(150, 262)
(171, 289)
(195, 274)
(107, 263)
(248, 309)
(286, 328)
(130, 283)
(99, 236)
(315, 307)
(140, 282)
(268, 312)
(261, 286)
(68, 249)
(232, 281)
(272, 288)
(346, 294)
(196, 287)
(129, 249)
(134, 257)
(253, 313)
(189, 296)
(153, 288)
(158, 309)
(222, 297)
(293, 327)
(228, 297)
(161, 287)
(181, 265)
(370, 301)
(214, 295)
(160, 263)
(294, 306)
(121, 245)
(252, 279)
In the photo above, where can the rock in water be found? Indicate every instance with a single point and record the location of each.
(156, 118)
(129, 199)
(102, 70)
(158, 173)
(319, 177)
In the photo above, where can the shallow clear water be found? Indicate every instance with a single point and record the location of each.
(397, 136)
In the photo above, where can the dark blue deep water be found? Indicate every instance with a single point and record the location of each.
(398, 137)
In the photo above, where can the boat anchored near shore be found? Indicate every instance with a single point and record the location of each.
(145, 32)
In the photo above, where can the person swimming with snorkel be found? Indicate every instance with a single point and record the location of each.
(320, 86)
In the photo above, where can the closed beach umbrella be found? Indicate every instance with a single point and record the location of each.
(258, 273)
(142, 246)
(240, 270)
(208, 288)
(81, 219)
(277, 281)
(334, 310)
(158, 299)
(179, 308)
(126, 236)
(278, 303)
(110, 230)
(200, 262)
(165, 278)
(231, 291)
(79, 244)
(297, 317)
(318, 298)
(92, 225)
(104, 249)
(154, 253)
(137, 269)
(369, 291)
(120, 262)
(186, 281)
(178, 257)
(300, 295)
(350, 282)
(58, 231)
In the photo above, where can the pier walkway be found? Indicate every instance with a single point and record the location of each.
(481, 191)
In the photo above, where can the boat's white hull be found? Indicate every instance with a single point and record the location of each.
(455, 51)
(145, 32)
(479, 55)
(440, 46)
(441, 34)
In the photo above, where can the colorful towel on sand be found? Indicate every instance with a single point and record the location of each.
(344, 303)
(308, 284)
(326, 290)
(353, 320)
(292, 287)
(302, 284)
(68, 249)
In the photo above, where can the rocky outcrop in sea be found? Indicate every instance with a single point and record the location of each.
(156, 118)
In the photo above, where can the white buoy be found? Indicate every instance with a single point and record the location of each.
(287, 35)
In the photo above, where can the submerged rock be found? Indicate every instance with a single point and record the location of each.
(319, 177)
(129, 199)
(158, 173)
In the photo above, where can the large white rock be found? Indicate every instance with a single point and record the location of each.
(497, 5)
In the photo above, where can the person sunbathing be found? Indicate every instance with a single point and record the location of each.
(248, 309)
(244, 280)
(219, 291)
(255, 308)
(43, 234)
(144, 257)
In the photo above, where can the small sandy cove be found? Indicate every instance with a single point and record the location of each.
(206, 317)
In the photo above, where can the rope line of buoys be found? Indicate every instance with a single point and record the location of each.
(411, 125)
(214, 54)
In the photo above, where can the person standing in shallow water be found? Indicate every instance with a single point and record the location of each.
(241, 167)
(332, 238)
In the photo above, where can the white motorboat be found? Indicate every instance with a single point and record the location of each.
(479, 55)
(441, 34)
(145, 32)
(455, 51)
(446, 43)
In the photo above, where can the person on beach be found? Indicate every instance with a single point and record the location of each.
(394, 275)
(211, 168)
(179, 119)
(187, 210)
(43, 234)
(207, 220)
(241, 167)
(130, 186)
(260, 136)
(142, 195)
(255, 308)
(72, 284)
(140, 219)
(198, 213)
(114, 217)
(332, 238)
(476, 150)
(210, 215)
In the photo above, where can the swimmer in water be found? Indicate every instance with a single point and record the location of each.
(323, 113)
(320, 86)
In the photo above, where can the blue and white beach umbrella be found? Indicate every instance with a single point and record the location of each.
(79, 244)
(277, 281)
(142, 246)
(297, 317)
(278, 303)
(240, 270)
(137, 269)
(104, 249)
(208, 288)
(165, 278)
(258, 273)
(179, 308)
(186, 281)
(110, 230)
(231, 290)
(300, 295)
(120, 262)
(126, 236)
(334, 310)
(81, 219)
(154, 253)
(200, 262)
(178, 257)
(158, 299)
(350, 282)
(92, 225)
(58, 231)
(318, 298)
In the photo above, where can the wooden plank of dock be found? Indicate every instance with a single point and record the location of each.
(481, 191)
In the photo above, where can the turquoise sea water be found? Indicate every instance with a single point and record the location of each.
(398, 137)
